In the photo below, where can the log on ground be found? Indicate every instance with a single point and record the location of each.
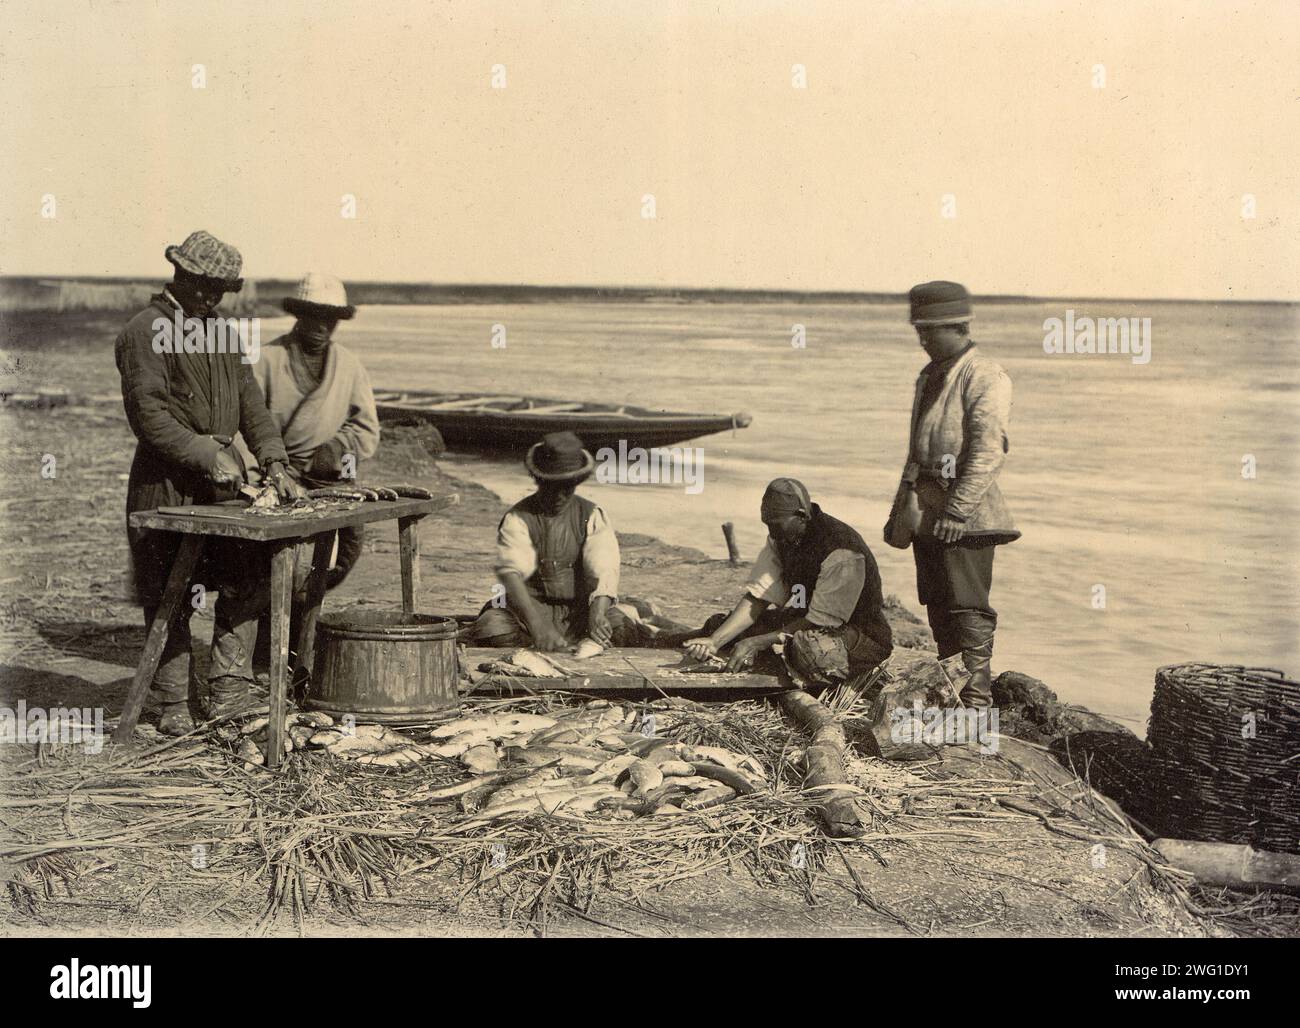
(824, 760)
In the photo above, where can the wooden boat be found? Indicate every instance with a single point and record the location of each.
(481, 421)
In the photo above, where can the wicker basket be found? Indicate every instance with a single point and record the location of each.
(1226, 741)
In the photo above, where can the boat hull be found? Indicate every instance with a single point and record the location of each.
(514, 431)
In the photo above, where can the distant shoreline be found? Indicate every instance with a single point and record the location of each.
(88, 292)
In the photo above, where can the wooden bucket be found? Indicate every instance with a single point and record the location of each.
(385, 667)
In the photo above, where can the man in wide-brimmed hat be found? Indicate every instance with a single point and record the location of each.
(185, 408)
(815, 585)
(557, 562)
(320, 398)
(949, 507)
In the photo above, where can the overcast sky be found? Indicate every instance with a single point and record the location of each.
(1058, 187)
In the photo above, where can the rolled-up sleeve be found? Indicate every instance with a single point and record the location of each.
(839, 585)
(600, 556)
(515, 551)
(765, 578)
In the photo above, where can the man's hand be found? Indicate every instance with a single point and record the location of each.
(327, 461)
(949, 530)
(548, 638)
(226, 468)
(599, 628)
(743, 654)
(286, 489)
(702, 648)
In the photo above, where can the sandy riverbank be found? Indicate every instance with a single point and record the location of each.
(943, 853)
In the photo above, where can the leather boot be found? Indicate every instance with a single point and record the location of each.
(226, 695)
(975, 634)
(175, 718)
(944, 628)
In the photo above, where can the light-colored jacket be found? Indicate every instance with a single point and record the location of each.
(341, 407)
(967, 421)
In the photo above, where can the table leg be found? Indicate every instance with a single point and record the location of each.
(282, 564)
(306, 642)
(182, 568)
(408, 532)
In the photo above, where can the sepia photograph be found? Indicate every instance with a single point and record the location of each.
(646, 470)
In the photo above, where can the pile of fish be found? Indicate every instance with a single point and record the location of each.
(597, 759)
(591, 761)
(299, 729)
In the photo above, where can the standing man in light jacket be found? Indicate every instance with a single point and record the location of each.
(320, 399)
(958, 442)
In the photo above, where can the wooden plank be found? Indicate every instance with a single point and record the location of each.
(305, 644)
(1221, 864)
(824, 760)
(408, 538)
(630, 673)
(233, 521)
(177, 583)
(282, 564)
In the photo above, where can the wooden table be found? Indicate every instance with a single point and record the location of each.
(231, 520)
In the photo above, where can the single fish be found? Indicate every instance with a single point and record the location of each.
(644, 776)
(612, 768)
(709, 798)
(545, 754)
(481, 759)
(587, 649)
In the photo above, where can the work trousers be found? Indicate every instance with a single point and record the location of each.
(240, 575)
(952, 577)
(501, 626)
(953, 582)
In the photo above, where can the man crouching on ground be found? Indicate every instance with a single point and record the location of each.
(815, 581)
(557, 562)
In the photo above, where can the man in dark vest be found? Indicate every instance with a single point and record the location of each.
(557, 562)
(816, 582)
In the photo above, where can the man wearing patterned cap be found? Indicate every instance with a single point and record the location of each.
(815, 582)
(185, 408)
(320, 398)
(949, 508)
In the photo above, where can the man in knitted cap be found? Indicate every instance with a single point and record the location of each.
(949, 507)
(558, 563)
(816, 585)
(185, 408)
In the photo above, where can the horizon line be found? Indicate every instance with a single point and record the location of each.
(878, 295)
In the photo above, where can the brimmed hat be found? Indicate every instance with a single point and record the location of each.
(319, 295)
(559, 457)
(205, 255)
(940, 303)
